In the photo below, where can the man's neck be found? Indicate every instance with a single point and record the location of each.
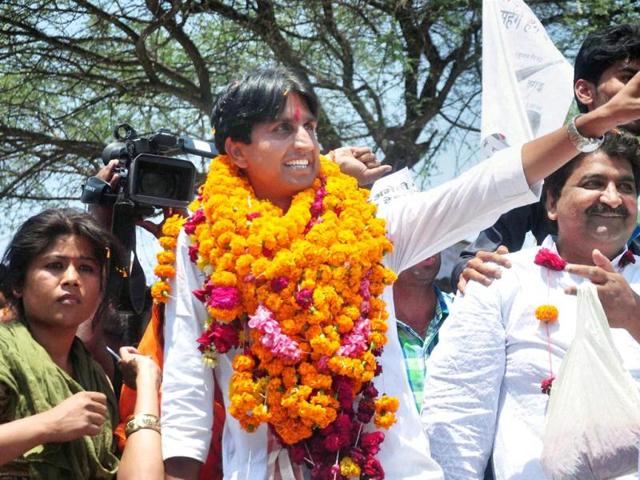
(415, 305)
(583, 254)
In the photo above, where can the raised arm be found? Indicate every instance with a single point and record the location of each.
(544, 155)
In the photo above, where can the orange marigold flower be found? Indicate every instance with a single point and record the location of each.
(166, 257)
(168, 243)
(173, 225)
(547, 313)
(243, 363)
(223, 279)
(165, 271)
(385, 420)
(160, 291)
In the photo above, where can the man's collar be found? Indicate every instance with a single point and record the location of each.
(624, 258)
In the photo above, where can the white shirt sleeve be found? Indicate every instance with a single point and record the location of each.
(462, 389)
(425, 223)
(187, 384)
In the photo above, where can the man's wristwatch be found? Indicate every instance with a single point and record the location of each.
(582, 144)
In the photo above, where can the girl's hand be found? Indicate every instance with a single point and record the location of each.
(138, 369)
(79, 415)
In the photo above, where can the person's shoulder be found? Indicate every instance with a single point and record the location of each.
(10, 330)
(524, 257)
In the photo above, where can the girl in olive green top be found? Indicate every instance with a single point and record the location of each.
(57, 408)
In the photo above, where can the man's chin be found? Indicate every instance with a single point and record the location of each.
(608, 237)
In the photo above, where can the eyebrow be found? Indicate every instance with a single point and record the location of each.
(309, 117)
(629, 69)
(65, 257)
(598, 176)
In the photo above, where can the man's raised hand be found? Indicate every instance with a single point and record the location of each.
(359, 162)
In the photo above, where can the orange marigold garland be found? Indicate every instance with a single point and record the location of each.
(165, 269)
(299, 292)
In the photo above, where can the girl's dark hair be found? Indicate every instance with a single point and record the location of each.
(258, 97)
(36, 235)
(600, 50)
(617, 144)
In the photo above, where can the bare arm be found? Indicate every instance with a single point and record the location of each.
(142, 457)
(79, 415)
(544, 155)
(182, 468)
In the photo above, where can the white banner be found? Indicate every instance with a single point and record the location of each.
(527, 84)
(393, 186)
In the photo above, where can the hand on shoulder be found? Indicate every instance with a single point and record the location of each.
(484, 268)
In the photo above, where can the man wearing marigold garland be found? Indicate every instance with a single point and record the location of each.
(280, 275)
(489, 378)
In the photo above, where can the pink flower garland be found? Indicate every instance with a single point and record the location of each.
(272, 337)
(356, 341)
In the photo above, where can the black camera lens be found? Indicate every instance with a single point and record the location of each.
(161, 181)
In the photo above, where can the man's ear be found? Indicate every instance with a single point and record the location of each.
(17, 292)
(551, 204)
(585, 92)
(235, 151)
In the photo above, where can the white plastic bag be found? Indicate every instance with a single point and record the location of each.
(593, 420)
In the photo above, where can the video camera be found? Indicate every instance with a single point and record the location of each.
(148, 177)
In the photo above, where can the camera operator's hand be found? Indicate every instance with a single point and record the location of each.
(156, 228)
(106, 174)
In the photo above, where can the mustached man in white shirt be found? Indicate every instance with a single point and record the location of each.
(483, 395)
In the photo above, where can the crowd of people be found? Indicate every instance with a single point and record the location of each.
(297, 331)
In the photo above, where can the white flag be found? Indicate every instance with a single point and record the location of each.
(393, 186)
(527, 84)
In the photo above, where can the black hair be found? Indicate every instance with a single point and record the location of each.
(38, 233)
(617, 144)
(600, 50)
(259, 96)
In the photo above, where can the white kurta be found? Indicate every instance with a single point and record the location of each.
(483, 378)
(419, 225)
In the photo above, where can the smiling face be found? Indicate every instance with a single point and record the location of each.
(62, 286)
(596, 208)
(283, 156)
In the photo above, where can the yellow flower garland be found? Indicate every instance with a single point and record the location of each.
(165, 269)
(248, 244)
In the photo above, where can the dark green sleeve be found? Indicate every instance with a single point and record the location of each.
(7, 403)
(8, 384)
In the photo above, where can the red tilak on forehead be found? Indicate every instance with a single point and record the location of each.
(297, 110)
